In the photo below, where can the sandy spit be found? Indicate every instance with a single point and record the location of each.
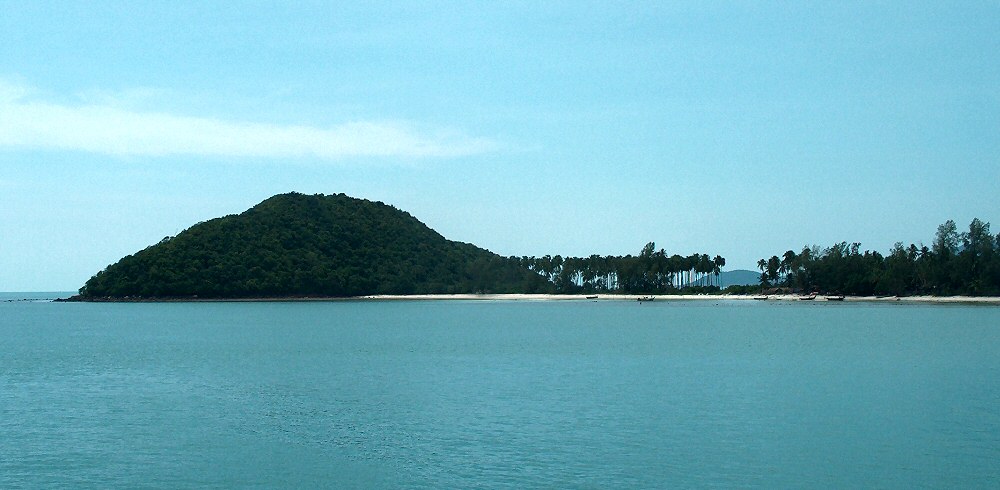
(683, 297)
(985, 300)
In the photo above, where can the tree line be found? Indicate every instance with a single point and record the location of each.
(298, 245)
(956, 263)
(651, 272)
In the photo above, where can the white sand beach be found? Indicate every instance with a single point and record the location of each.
(683, 297)
(984, 300)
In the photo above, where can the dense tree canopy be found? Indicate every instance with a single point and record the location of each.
(966, 263)
(651, 271)
(299, 245)
(296, 245)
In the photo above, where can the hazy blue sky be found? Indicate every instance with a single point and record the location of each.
(742, 129)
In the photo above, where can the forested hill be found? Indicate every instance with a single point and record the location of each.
(300, 245)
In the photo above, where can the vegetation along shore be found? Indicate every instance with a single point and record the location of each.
(321, 247)
(956, 264)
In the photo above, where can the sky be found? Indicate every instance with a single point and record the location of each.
(742, 129)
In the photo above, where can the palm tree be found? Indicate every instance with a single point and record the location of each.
(719, 262)
(677, 267)
(705, 266)
(762, 265)
(773, 265)
(689, 264)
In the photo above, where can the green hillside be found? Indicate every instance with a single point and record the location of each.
(297, 245)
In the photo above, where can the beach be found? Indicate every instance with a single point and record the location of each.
(984, 300)
(684, 297)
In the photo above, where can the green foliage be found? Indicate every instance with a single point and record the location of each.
(957, 264)
(743, 289)
(298, 245)
(652, 272)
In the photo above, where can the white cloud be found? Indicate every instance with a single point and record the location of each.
(111, 129)
(12, 91)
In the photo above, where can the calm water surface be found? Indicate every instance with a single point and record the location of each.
(458, 394)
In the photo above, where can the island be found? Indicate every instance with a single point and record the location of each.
(297, 245)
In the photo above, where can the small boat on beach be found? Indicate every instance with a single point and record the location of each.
(762, 297)
(642, 299)
(808, 297)
(592, 297)
(839, 297)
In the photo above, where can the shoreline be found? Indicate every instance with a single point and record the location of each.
(980, 300)
(687, 297)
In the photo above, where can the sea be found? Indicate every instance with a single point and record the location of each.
(498, 394)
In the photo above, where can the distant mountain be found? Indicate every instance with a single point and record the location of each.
(739, 277)
(299, 245)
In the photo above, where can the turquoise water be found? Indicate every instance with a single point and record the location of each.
(6, 297)
(452, 394)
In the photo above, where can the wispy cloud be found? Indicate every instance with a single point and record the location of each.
(28, 121)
